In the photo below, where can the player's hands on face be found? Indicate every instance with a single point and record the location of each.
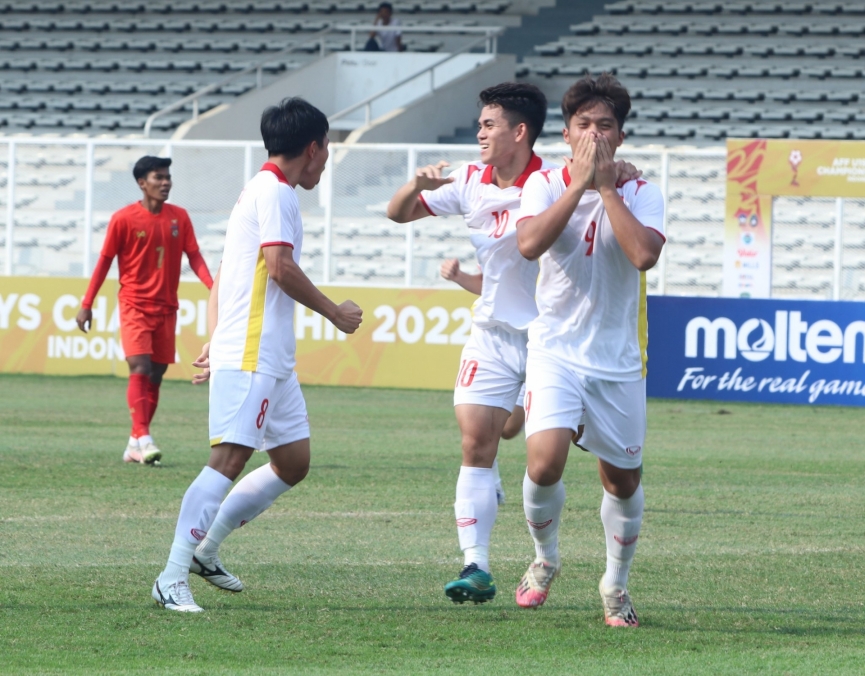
(430, 177)
(605, 165)
(450, 269)
(84, 319)
(625, 171)
(202, 362)
(348, 317)
(581, 166)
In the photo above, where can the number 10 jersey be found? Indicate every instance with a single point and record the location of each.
(507, 298)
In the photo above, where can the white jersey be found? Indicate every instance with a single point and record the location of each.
(255, 331)
(591, 299)
(507, 297)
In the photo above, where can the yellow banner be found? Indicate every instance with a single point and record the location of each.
(759, 170)
(410, 338)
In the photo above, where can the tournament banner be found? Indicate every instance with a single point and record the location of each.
(759, 170)
(410, 338)
(770, 351)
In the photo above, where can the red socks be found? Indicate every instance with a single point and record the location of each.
(138, 398)
(152, 399)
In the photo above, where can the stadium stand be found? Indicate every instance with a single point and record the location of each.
(702, 71)
(102, 66)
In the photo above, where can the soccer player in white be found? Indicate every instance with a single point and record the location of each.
(255, 398)
(587, 347)
(492, 369)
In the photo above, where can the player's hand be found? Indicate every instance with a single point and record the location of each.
(581, 166)
(430, 177)
(625, 171)
(203, 362)
(605, 165)
(348, 317)
(84, 319)
(450, 269)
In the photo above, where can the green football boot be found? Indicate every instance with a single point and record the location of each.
(473, 584)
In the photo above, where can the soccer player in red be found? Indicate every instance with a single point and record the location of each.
(148, 238)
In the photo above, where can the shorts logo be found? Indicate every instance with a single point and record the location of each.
(198, 534)
(465, 522)
(537, 525)
(625, 541)
(633, 450)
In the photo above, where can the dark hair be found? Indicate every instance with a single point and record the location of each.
(149, 163)
(386, 5)
(291, 125)
(588, 91)
(520, 102)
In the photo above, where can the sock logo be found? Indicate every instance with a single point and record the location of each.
(198, 534)
(625, 541)
(537, 525)
(466, 521)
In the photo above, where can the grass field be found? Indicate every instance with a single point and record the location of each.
(750, 560)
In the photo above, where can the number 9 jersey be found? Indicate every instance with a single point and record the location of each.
(507, 298)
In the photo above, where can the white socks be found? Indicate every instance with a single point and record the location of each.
(476, 508)
(622, 520)
(250, 497)
(197, 511)
(543, 506)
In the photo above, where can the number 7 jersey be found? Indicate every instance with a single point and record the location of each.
(507, 296)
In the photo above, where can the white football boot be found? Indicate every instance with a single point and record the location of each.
(175, 596)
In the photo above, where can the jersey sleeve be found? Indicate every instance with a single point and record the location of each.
(537, 195)
(190, 243)
(447, 200)
(278, 216)
(647, 206)
(113, 236)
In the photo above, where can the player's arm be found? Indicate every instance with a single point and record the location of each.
(450, 270)
(406, 206)
(100, 272)
(193, 255)
(282, 269)
(640, 244)
(203, 361)
(536, 234)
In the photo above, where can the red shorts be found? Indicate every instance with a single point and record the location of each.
(143, 333)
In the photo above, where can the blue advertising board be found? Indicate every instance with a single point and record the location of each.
(772, 351)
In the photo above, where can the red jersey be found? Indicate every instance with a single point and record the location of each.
(149, 248)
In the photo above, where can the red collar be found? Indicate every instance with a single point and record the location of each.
(272, 168)
(566, 176)
(534, 164)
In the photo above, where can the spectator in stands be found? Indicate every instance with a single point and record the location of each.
(385, 41)
(148, 238)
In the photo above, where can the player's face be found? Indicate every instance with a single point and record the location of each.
(598, 120)
(315, 168)
(497, 138)
(156, 185)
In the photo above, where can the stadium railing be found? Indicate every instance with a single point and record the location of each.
(59, 193)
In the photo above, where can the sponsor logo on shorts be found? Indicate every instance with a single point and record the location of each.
(537, 525)
(464, 522)
(198, 534)
(625, 541)
(633, 450)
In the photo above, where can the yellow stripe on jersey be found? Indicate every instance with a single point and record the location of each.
(256, 315)
(643, 324)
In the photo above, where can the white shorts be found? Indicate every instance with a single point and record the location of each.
(256, 410)
(492, 368)
(521, 397)
(613, 412)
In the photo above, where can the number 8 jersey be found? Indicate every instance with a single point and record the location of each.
(507, 298)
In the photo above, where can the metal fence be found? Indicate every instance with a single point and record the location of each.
(58, 195)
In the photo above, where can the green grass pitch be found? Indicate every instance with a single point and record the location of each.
(750, 560)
